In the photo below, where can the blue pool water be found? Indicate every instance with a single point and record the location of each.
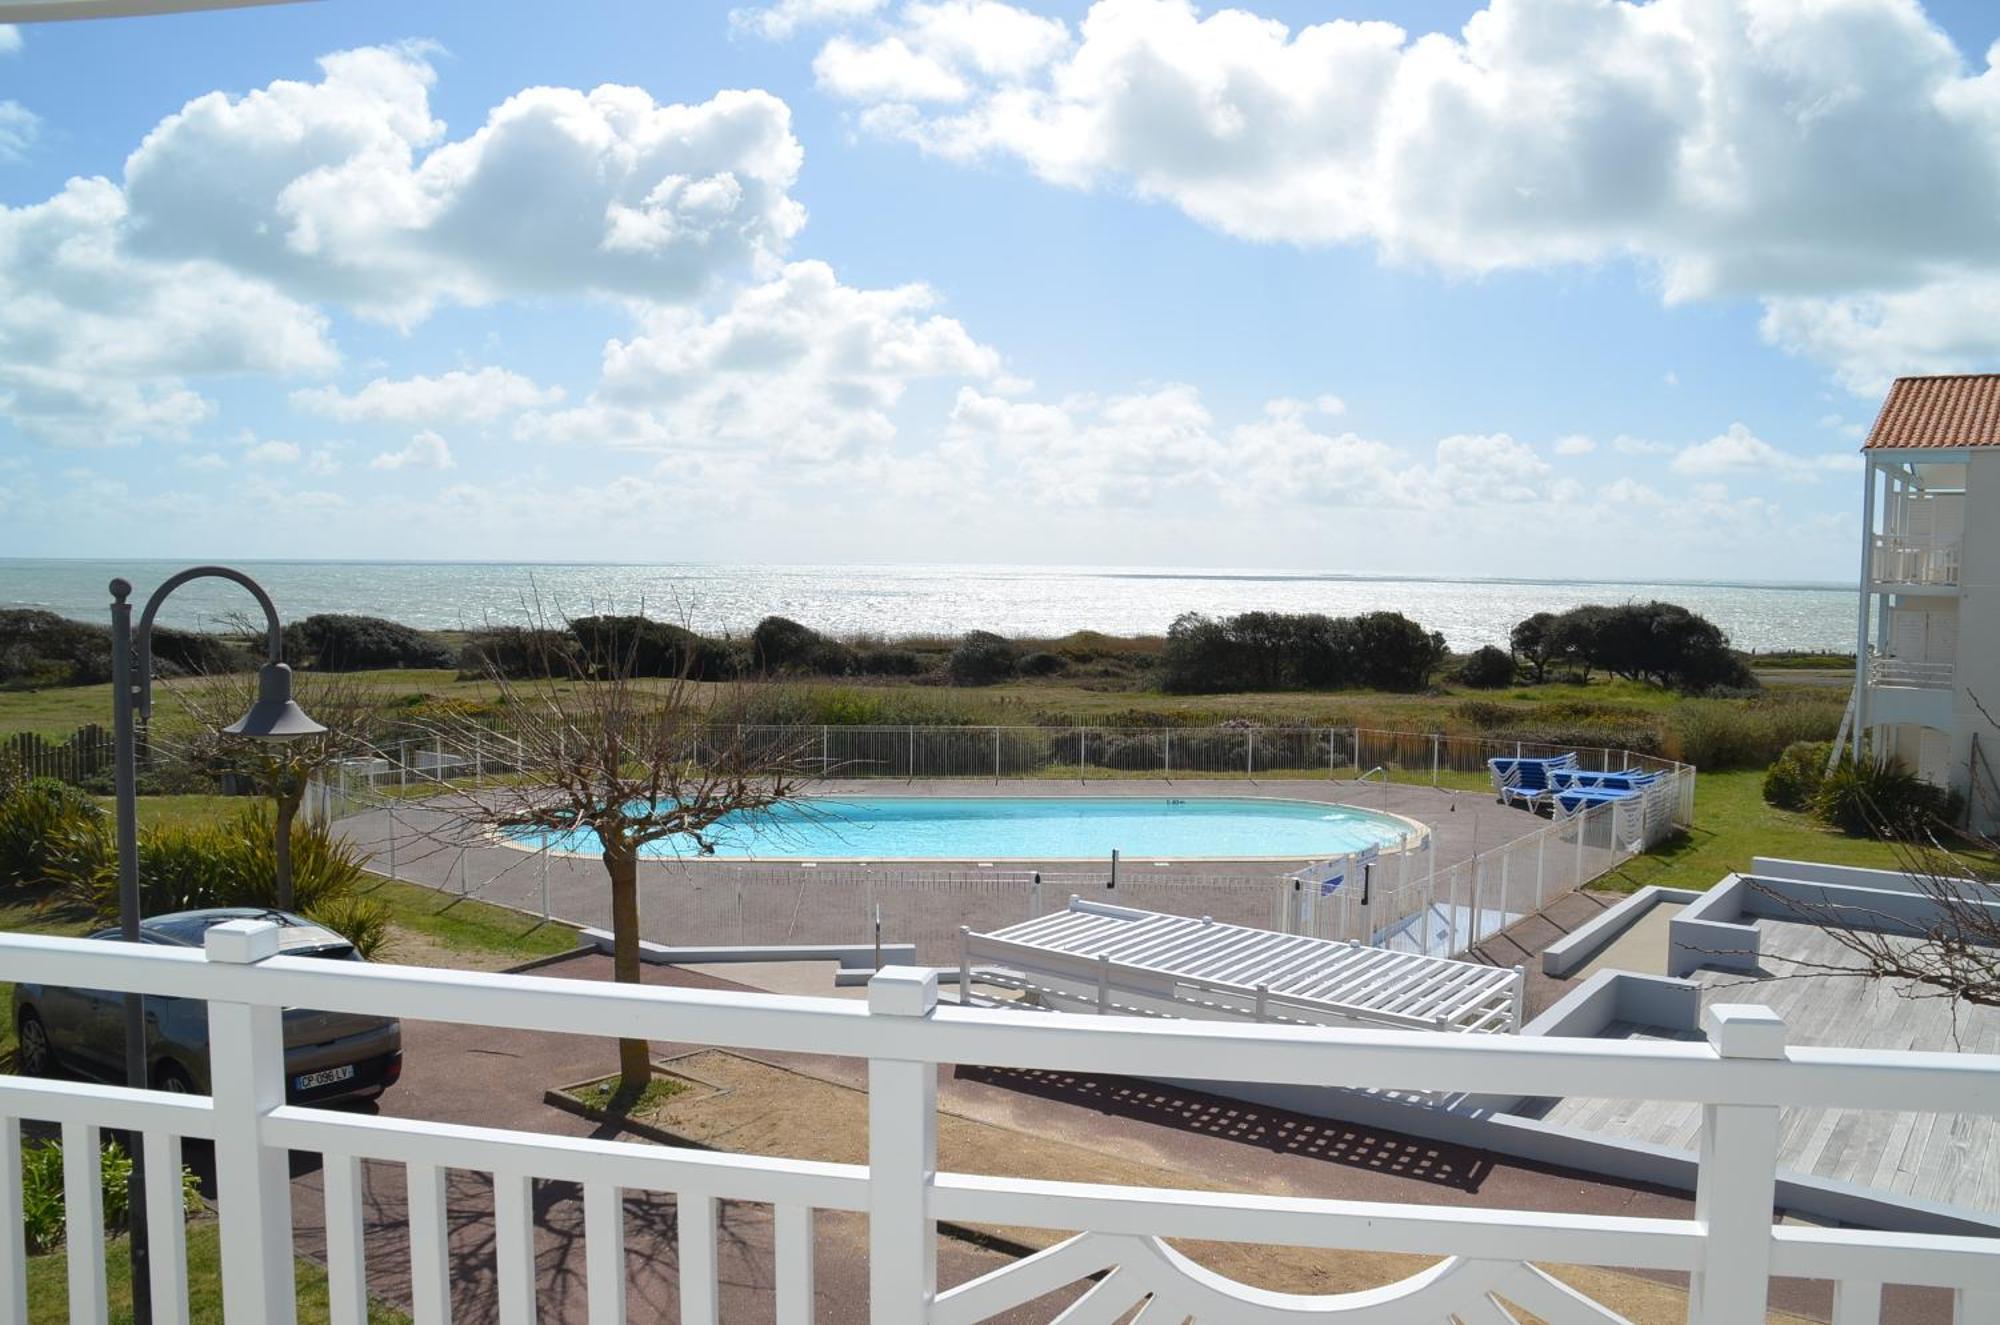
(1041, 828)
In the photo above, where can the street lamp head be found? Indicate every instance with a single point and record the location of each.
(274, 717)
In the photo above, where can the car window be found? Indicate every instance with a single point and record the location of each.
(339, 952)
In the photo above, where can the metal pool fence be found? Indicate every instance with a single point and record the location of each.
(1405, 899)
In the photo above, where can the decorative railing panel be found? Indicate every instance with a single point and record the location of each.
(1742, 1077)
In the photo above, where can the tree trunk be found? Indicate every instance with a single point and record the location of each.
(288, 811)
(635, 1066)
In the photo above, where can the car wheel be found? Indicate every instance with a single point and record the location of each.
(173, 1079)
(32, 1053)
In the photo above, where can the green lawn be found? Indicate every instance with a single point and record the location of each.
(48, 1284)
(1731, 824)
(467, 925)
(184, 811)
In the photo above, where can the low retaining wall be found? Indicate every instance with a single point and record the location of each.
(1577, 948)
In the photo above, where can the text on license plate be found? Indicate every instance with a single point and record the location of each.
(324, 1077)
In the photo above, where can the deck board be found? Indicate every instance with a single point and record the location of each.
(1952, 1159)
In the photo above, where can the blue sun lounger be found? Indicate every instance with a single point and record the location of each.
(1573, 801)
(1631, 779)
(1527, 782)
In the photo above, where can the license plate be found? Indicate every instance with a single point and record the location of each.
(323, 1077)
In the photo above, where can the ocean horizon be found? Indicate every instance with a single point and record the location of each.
(914, 599)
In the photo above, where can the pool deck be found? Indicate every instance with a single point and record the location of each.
(752, 901)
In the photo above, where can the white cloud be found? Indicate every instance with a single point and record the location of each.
(272, 453)
(426, 450)
(95, 343)
(779, 21)
(347, 188)
(800, 368)
(1575, 444)
(10, 39)
(19, 127)
(1762, 149)
(479, 396)
(1737, 450)
(886, 70)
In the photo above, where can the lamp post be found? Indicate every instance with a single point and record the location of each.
(274, 717)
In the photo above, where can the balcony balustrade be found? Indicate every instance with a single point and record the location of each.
(1743, 1078)
(1916, 559)
(1891, 671)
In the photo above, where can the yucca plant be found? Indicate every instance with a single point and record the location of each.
(47, 827)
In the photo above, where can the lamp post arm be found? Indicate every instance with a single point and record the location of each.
(274, 633)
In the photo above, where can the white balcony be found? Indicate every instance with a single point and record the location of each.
(1891, 671)
(1930, 560)
(1743, 1077)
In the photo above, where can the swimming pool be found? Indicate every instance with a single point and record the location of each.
(988, 828)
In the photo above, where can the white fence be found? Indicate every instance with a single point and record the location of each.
(1744, 1078)
(997, 753)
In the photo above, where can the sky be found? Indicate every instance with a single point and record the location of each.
(1554, 288)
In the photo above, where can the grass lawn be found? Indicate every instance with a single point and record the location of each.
(183, 811)
(48, 1284)
(1731, 824)
(465, 925)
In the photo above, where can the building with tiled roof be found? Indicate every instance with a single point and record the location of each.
(1928, 636)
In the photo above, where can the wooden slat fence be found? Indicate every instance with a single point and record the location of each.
(86, 753)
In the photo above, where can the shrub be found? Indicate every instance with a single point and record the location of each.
(640, 646)
(781, 645)
(338, 642)
(1488, 668)
(44, 827)
(1298, 651)
(1043, 664)
(981, 658)
(45, 1215)
(515, 651)
(1794, 777)
(889, 662)
(195, 653)
(39, 648)
(185, 867)
(1882, 800)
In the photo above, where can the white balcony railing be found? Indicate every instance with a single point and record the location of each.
(1743, 1078)
(1926, 559)
(1903, 672)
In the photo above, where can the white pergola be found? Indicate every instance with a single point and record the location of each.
(1093, 957)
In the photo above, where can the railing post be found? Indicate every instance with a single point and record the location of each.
(902, 1160)
(252, 1179)
(1737, 1184)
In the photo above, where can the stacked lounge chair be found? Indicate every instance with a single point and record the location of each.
(1528, 782)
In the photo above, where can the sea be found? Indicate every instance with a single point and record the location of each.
(898, 600)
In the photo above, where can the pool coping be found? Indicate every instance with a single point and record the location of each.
(1412, 842)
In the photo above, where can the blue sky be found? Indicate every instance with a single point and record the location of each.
(1561, 288)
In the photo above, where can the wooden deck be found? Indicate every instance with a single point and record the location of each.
(1948, 1158)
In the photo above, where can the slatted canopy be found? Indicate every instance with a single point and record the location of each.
(1095, 957)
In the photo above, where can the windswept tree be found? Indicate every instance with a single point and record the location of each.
(627, 761)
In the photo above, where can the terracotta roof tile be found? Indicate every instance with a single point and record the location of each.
(1961, 410)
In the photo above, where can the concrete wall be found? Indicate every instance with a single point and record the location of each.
(1977, 673)
(1581, 945)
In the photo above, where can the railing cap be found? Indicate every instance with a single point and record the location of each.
(903, 991)
(241, 941)
(1744, 1030)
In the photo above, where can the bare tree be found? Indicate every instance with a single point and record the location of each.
(345, 703)
(630, 761)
